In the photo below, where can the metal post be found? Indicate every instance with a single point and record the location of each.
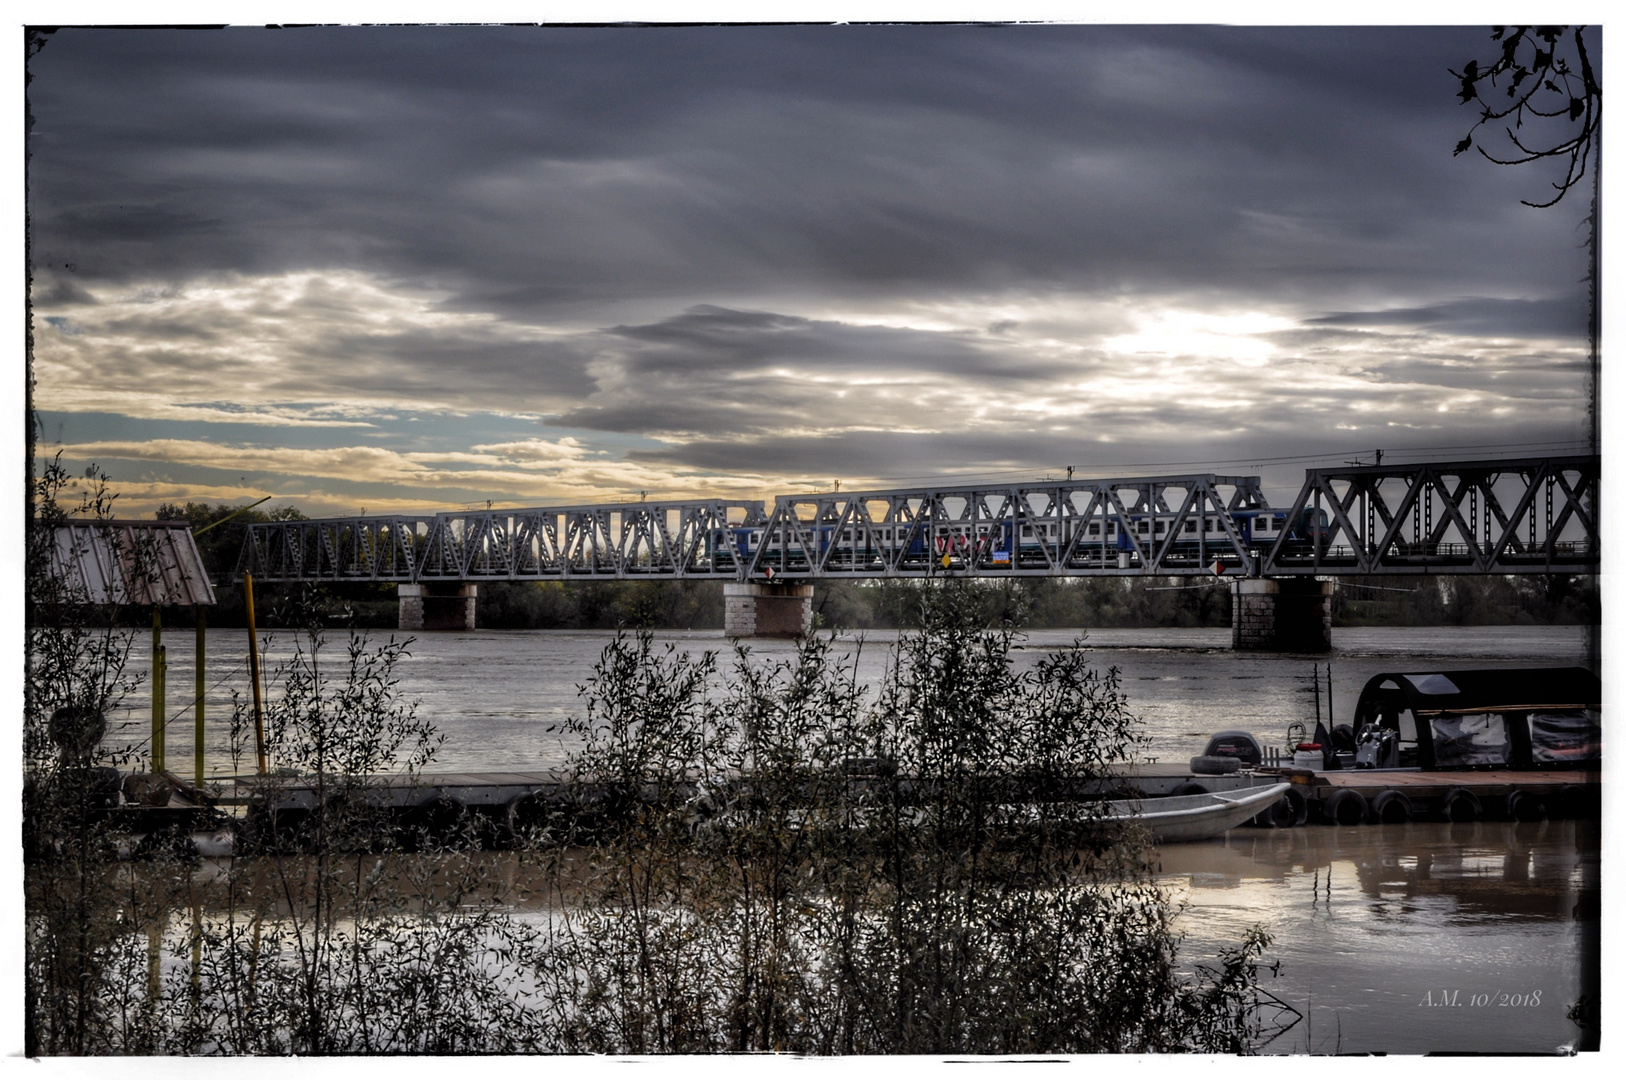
(197, 732)
(157, 690)
(254, 674)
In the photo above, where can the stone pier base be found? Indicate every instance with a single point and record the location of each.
(767, 610)
(437, 607)
(1281, 614)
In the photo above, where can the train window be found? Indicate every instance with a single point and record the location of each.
(1112, 528)
(1191, 526)
(1162, 527)
(1027, 530)
(1095, 528)
(1141, 528)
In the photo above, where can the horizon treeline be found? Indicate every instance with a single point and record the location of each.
(886, 604)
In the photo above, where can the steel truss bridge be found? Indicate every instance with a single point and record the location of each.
(1506, 516)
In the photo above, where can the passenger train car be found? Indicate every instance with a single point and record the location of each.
(993, 544)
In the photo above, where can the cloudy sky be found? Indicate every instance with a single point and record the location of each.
(392, 268)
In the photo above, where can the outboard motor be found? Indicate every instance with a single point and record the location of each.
(1235, 744)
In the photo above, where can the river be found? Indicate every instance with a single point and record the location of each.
(1397, 938)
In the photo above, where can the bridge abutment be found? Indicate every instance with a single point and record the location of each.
(437, 607)
(1282, 614)
(767, 610)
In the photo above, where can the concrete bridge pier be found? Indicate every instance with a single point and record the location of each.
(1289, 614)
(767, 610)
(437, 607)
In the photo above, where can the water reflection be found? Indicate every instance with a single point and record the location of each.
(1370, 921)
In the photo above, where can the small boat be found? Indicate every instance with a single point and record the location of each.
(1177, 818)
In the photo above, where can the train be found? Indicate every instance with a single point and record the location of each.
(1022, 542)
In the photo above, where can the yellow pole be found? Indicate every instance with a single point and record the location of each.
(254, 674)
(157, 690)
(197, 732)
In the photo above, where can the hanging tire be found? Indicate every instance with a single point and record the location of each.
(1189, 788)
(1214, 765)
(526, 818)
(1460, 804)
(1525, 805)
(1287, 812)
(1345, 807)
(1578, 801)
(437, 822)
(1391, 807)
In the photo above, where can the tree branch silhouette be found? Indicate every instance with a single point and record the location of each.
(1550, 85)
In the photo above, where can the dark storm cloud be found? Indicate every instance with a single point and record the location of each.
(711, 338)
(537, 170)
(783, 251)
(1552, 318)
(454, 365)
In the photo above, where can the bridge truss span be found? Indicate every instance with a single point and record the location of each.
(610, 540)
(1533, 515)
(1144, 525)
(1524, 516)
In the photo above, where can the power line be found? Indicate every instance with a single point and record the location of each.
(1498, 449)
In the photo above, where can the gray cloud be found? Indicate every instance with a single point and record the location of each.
(797, 250)
(1561, 317)
(534, 168)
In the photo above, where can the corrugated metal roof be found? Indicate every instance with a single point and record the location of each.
(131, 562)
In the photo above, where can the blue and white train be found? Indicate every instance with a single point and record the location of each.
(1024, 543)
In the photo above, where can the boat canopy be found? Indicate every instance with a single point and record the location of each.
(1489, 718)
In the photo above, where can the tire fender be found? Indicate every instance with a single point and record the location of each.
(1460, 804)
(1345, 806)
(1206, 765)
(1287, 812)
(1391, 807)
(1523, 805)
(522, 815)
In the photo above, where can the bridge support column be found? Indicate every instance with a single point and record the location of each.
(767, 610)
(1281, 614)
(437, 607)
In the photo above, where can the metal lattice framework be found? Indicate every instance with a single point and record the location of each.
(1533, 515)
(1050, 529)
(619, 540)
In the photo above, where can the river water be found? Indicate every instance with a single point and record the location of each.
(1398, 938)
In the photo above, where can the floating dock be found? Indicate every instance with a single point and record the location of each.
(497, 806)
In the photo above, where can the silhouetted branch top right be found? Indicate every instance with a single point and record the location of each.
(1544, 79)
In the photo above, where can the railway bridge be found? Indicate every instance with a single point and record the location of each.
(1533, 515)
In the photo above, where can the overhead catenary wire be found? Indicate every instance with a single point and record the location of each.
(1392, 455)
